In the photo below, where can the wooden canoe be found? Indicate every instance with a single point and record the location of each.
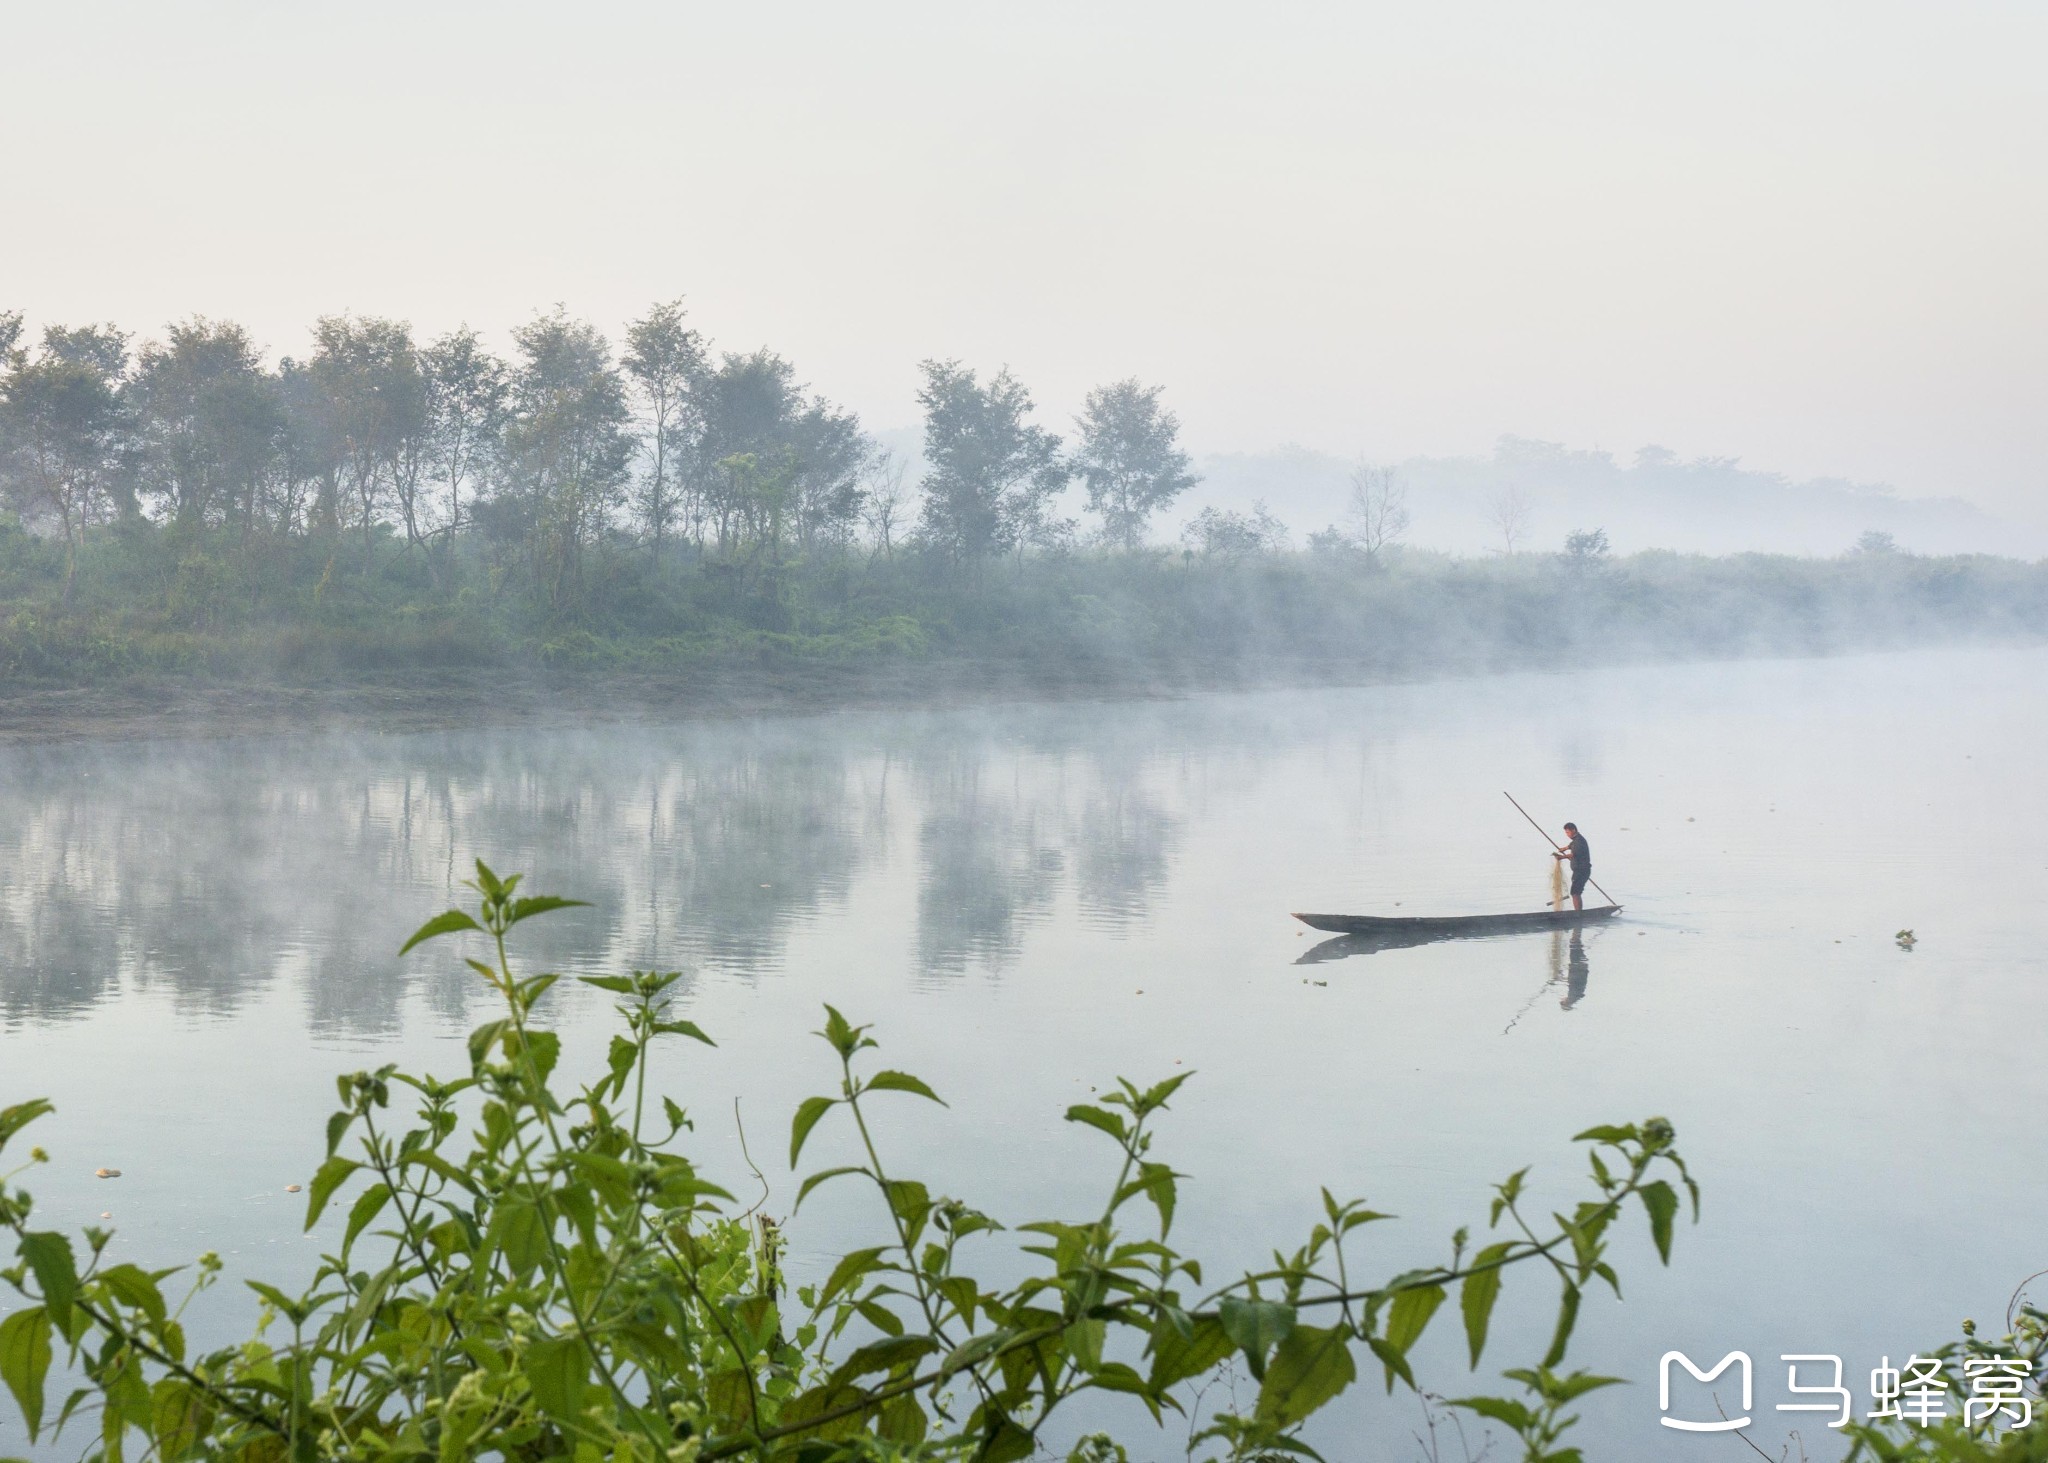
(1438, 926)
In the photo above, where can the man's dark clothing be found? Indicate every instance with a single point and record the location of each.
(1582, 862)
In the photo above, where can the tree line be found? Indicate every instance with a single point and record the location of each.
(376, 437)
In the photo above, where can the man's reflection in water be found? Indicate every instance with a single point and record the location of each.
(1575, 973)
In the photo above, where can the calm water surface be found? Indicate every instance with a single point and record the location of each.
(1030, 900)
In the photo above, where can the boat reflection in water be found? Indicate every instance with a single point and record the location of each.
(1568, 963)
(1370, 936)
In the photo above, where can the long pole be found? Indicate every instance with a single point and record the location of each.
(1547, 839)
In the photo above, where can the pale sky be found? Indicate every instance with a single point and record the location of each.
(1808, 235)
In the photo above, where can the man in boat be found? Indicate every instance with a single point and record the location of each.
(1581, 856)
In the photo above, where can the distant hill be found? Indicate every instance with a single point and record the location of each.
(1656, 502)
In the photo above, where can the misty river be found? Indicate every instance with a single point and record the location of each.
(1030, 900)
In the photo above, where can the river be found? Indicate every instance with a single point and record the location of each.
(1030, 900)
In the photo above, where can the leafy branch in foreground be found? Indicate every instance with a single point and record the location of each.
(561, 1282)
(1984, 1430)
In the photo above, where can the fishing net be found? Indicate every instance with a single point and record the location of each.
(1557, 884)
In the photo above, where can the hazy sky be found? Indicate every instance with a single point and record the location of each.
(1811, 235)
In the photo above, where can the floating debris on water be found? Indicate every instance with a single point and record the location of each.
(291, 1188)
(106, 1173)
(1905, 939)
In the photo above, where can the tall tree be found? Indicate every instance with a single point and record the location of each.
(370, 374)
(992, 471)
(832, 453)
(208, 423)
(1379, 508)
(568, 446)
(61, 431)
(803, 456)
(305, 491)
(882, 500)
(468, 390)
(1130, 457)
(1509, 511)
(664, 359)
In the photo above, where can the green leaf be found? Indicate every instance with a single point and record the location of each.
(1156, 1182)
(542, 1048)
(1605, 1133)
(49, 1255)
(134, 1286)
(683, 1028)
(483, 1039)
(331, 1175)
(621, 1059)
(807, 1115)
(1567, 1317)
(882, 1356)
(14, 1119)
(441, 924)
(816, 1179)
(1578, 1384)
(1256, 1327)
(1409, 1316)
(901, 1421)
(847, 1272)
(1008, 1444)
(975, 1349)
(25, 1361)
(846, 1038)
(1175, 1357)
(1661, 1200)
(179, 1415)
(901, 1082)
(610, 1179)
(292, 1310)
(557, 1368)
(1155, 1097)
(1477, 1295)
(799, 1411)
(1500, 1409)
(1394, 1361)
(537, 904)
(1097, 1117)
(522, 1234)
(880, 1317)
(910, 1202)
(1310, 1367)
(730, 1396)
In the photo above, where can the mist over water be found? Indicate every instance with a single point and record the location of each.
(1028, 900)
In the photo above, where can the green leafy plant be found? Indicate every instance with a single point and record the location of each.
(527, 1270)
(1983, 1434)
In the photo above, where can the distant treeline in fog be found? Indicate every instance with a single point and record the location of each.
(391, 504)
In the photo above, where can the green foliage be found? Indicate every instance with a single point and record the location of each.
(532, 1268)
(386, 506)
(1963, 1438)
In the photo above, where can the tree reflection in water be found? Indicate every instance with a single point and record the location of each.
(217, 870)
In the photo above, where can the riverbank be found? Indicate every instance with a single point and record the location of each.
(1091, 626)
(184, 708)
